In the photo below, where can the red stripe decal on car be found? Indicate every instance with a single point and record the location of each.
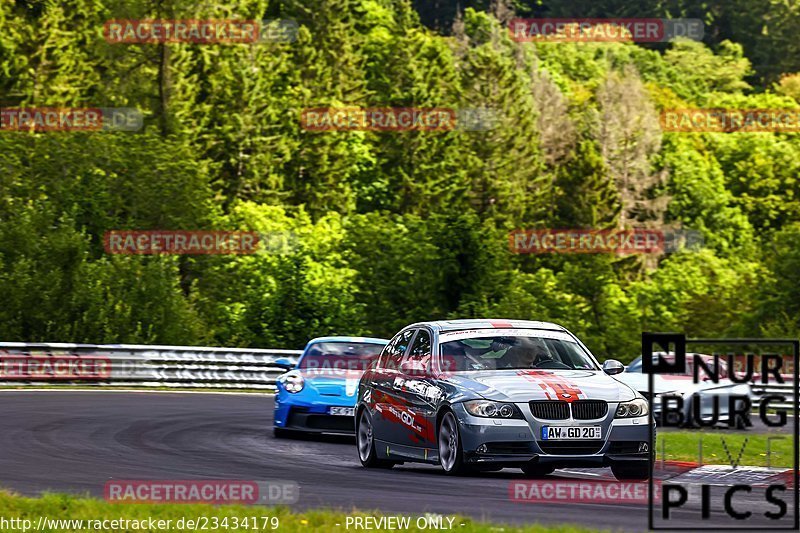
(554, 387)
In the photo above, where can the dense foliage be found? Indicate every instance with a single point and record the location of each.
(389, 228)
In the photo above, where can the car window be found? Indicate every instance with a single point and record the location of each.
(393, 354)
(420, 351)
(635, 366)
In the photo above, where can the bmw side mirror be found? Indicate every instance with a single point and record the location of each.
(284, 363)
(612, 366)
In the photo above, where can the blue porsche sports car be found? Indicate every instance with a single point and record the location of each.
(318, 394)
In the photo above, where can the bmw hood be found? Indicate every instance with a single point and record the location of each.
(525, 385)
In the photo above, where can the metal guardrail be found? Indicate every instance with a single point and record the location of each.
(783, 389)
(133, 365)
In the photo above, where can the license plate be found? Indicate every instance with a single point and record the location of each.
(571, 432)
(341, 411)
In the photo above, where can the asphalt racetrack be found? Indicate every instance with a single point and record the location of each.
(72, 441)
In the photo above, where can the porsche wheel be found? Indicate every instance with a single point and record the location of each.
(536, 470)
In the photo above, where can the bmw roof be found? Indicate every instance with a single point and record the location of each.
(488, 323)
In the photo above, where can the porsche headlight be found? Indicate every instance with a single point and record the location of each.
(292, 382)
(632, 409)
(489, 409)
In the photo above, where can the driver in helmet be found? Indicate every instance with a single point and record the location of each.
(529, 355)
(541, 354)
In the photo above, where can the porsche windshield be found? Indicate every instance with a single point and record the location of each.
(341, 355)
(502, 352)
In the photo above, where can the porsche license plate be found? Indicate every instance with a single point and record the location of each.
(341, 411)
(572, 432)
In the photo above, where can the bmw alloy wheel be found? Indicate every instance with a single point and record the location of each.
(448, 442)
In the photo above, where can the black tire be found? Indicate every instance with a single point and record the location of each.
(283, 433)
(637, 471)
(688, 417)
(365, 443)
(535, 470)
(740, 423)
(280, 433)
(451, 452)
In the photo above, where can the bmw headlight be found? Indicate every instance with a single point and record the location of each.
(489, 409)
(632, 409)
(292, 382)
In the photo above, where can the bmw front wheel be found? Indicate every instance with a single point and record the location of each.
(451, 455)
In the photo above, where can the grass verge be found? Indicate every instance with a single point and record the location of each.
(215, 518)
(684, 446)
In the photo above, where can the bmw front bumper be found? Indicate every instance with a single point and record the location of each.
(514, 442)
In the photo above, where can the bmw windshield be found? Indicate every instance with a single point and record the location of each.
(512, 350)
